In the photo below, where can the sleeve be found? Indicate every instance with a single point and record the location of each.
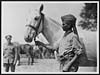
(4, 47)
(77, 45)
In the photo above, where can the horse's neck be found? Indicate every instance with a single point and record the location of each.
(52, 31)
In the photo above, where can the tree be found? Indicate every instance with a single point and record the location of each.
(89, 17)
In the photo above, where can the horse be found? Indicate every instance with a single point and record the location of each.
(25, 49)
(28, 50)
(38, 52)
(51, 30)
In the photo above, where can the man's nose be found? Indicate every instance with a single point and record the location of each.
(28, 36)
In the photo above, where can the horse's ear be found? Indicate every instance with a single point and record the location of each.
(41, 8)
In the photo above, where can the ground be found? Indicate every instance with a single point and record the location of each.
(40, 65)
(45, 65)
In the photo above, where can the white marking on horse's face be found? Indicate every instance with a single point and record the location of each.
(30, 32)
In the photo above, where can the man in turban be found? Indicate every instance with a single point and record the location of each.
(69, 47)
(9, 54)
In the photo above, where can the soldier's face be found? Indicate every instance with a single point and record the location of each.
(66, 26)
(8, 40)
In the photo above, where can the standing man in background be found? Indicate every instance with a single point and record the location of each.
(9, 54)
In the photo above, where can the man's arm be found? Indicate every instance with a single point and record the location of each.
(4, 47)
(78, 51)
(44, 45)
(16, 55)
(69, 64)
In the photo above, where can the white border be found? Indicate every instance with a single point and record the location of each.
(56, 72)
(98, 38)
(50, 1)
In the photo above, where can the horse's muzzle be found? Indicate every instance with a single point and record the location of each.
(28, 40)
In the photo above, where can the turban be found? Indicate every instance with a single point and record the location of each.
(68, 18)
(8, 36)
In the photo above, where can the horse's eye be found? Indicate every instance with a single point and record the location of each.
(36, 18)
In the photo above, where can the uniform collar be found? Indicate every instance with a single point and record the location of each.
(68, 32)
(9, 43)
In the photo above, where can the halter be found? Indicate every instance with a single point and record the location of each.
(32, 27)
(38, 25)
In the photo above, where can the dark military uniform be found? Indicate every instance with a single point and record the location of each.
(9, 56)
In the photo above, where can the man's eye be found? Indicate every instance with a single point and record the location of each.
(63, 24)
(36, 18)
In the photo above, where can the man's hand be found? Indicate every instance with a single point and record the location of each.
(44, 45)
(39, 43)
(78, 52)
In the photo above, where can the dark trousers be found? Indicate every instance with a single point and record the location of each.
(8, 65)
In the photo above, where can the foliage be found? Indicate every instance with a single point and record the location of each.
(89, 17)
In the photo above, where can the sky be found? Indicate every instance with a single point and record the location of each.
(15, 15)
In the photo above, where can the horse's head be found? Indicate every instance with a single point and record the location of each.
(35, 27)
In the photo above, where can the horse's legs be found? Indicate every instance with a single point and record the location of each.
(32, 57)
(51, 54)
(32, 61)
(55, 54)
(31, 54)
(47, 54)
(18, 60)
(42, 55)
(61, 67)
(29, 59)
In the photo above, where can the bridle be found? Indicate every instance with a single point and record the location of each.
(41, 18)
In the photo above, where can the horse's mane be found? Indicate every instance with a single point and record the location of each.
(55, 22)
(52, 30)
